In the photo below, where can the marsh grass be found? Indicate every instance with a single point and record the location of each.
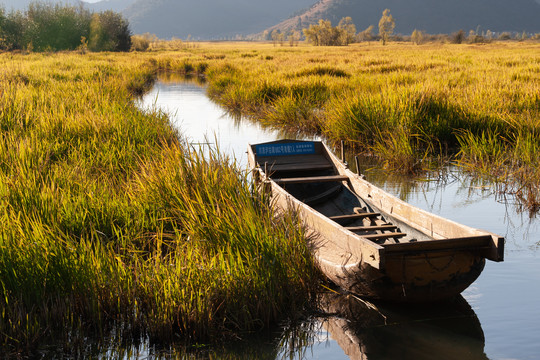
(510, 163)
(402, 103)
(111, 223)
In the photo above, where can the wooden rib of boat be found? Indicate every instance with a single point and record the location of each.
(367, 241)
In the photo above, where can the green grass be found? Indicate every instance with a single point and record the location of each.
(401, 102)
(110, 221)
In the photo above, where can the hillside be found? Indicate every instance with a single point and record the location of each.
(433, 16)
(219, 19)
(202, 19)
(209, 19)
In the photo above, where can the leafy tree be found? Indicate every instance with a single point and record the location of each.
(328, 35)
(2, 25)
(458, 37)
(12, 30)
(367, 35)
(348, 30)
(109, 31)
(387, 25)
(277, 36)
(294, 36)
(56, 27)
(418, 37)
(312, 34)
(46, 26)
(324, 34)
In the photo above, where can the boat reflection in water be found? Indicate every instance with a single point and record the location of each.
(448, 330)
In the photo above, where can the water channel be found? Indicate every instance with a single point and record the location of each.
(498, 316)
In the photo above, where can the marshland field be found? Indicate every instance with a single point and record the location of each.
(112, 223)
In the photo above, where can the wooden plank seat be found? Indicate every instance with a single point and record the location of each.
(371, 228)
(391, 235)
(354, 216)
(310, 179)
(293, 163)
(297, 167)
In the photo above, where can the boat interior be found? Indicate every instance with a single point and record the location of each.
(314, 180)
(306, 171)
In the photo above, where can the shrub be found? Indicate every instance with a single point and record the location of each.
(141, 42)
(458, 37)
(418, 37)
(56, 27)
(109, 31)
(505, 36)
(53, 27)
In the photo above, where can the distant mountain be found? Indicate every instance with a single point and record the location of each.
(432, 16)
(222, 19)
(209, 19)
(202, 19)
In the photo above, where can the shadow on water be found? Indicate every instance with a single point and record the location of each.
(111, 345)
(363, 330)
(448, 330)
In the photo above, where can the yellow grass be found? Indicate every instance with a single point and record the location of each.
(102, 220)
(437, 97)
(112, 225)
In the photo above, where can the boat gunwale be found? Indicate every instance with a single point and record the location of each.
(493, 251)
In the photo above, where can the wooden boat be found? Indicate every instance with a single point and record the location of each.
(367, 241)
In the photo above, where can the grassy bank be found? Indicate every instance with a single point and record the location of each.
(111, 223)
(403, 102)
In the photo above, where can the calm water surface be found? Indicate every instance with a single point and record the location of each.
(499, 317)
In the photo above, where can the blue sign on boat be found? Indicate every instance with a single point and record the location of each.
(282, 149)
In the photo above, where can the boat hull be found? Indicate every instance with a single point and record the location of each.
(412, 278)
(365, 240)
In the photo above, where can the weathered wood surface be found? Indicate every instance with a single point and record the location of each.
(335, 239)
(432, 258)
(338, 218)
(389, 235)
(311, 179)
(371, 228)
(432, 225)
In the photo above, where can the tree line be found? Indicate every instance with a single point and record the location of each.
(324, 34)
(54, 27)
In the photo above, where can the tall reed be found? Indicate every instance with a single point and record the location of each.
(397, 102)
(110, 222)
